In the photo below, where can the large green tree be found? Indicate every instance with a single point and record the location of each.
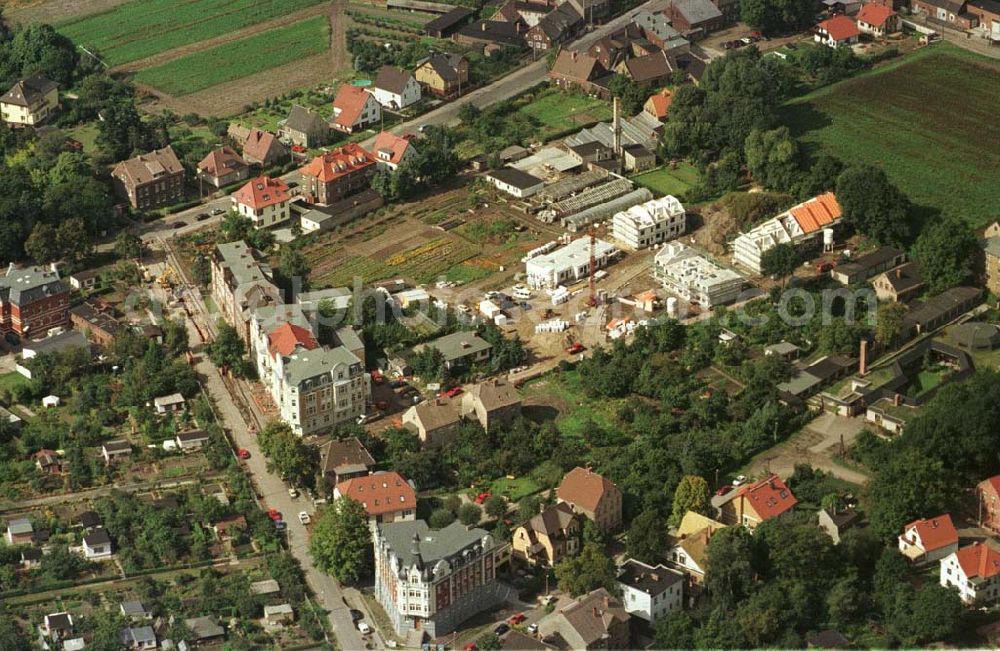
(589, 570)
(228, 349)
(341, 540)
(946, 250)
(773, 158)
(288, 455)
(691, 494)
(873, 205)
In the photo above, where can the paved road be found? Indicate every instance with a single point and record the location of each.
(238, 420)
(516, 82)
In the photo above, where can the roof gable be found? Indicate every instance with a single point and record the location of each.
(875, 14)
(262, 192)
(933, 533)
(393, 80)
(350, 104)
(768, 498)
(840, 28)
(585, 488)
(384, 492)
(338, 162)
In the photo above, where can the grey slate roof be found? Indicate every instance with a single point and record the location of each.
(58, 343)
(309, 364)
(28, 92)
(433, 545)
(204, 627)
(457, 345)
(23, 286)
(515, 177)
(138, 636)
(304, 120)
(97, 537)
(392, 79)
(448, 20)
(19, 526)
(697, 11)
(651, 580)
(445, 65)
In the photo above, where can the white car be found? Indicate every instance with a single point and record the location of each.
(740, 480)
(532, 628)
(304, 517)
(364, 628)
(293, 492)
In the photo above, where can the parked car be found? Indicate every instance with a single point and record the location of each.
(304, 517)
(532, 628)
(825, 266)
(274, 514)
(575, 348)
(298, 149)
(280, 525)
(740, 480)
(501, 629)
(364, 628)
(397, 384)
(516, 619)
(177, 225)
(382, 404)
(723, 490)
(452, 392)
(356, 615)
(216, 211)
(293, 492)
(202, 216)
(482, 497)
(243, 453)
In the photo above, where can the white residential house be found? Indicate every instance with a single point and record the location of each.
(975, 572)
(191, 441)
(650, 592)
(279, 615)
(394, 88)
(30, 101)
(649, 223)
(567, 264)
(391, 150)
(796, 225)
(264, 201)
(138, 638)
(97, 545)
(515, 182)
(169, 404)
(115, 450)
(928, 540)
(694, 277)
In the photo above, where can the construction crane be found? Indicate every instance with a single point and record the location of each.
(592, 267)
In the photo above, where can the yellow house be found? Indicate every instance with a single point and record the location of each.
(549, 537)
(30, 101)
(443, 74)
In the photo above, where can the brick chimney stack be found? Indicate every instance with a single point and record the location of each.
(863, 363)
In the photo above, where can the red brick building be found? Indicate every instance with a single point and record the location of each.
(988, 496)
(32, 300)
(338, 173)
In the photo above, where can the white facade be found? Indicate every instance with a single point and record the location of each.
(519, 190)
(750, 246)
(977, 589)
(692, 276)
(568, 264)
(392, 100)
(650, 592)
(269, 215)
(650, 223)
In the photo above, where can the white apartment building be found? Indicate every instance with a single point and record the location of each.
(567, 264)
(650, 223)
(650, 592)
(315, 387)
(433, 581)
(798, 224)
(692, 276)
(975, 572)
(240, 285)
(264, 201)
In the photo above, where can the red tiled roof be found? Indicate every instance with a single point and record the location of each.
(934, 533)
(261, 192)
(338, 162)
(286, 337)
(258, 144)
(385, 492)
(221, 161)
(979, 560)
(351, 101)
(584, 488)
(993, 482)
(661, 103)
(840, 28)
(817, 212)
(769, 497)
(395, 145)
(874, 14)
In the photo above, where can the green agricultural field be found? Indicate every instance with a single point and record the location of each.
(665, 180)
(240, 58)
(142, 28)
(13, 379)
(558, 111)
(928, 120)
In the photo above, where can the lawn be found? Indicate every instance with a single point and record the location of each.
(142, 28)
(927, 120)
(558, 111)
(514, 489)
(13, 379)
(667, 180)
(240, 58)
(564, 391)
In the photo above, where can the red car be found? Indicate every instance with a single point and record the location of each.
(452, 392)
(470, 646)
(243, 453)
(298, 149)
(377, 377)
(723, 490)
(575, 348)
(482, 497)
(823, 267)
(382, 404)
(274, 514)
(516, 619)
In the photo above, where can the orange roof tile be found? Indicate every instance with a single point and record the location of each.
(979, 560)
(261, 192)
(392, 144)
(259, 143)
(349, 104)
(840, 28)
(769, 497)
(993, 482)
(661, 103)
(337, 162)
(287, 337)
(817, 212)
(584, 488)
(385, 492)
(874, 14)
(221, 161)
(934, 533)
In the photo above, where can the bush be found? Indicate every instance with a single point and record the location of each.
(441, 518)
(469, 514)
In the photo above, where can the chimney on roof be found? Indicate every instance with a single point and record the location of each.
(483, 26)
(897, 399)
(899, 272)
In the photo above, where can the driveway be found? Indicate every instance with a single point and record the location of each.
(816, 444)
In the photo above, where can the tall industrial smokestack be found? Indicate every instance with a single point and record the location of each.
(617, 126)
(863, 364)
